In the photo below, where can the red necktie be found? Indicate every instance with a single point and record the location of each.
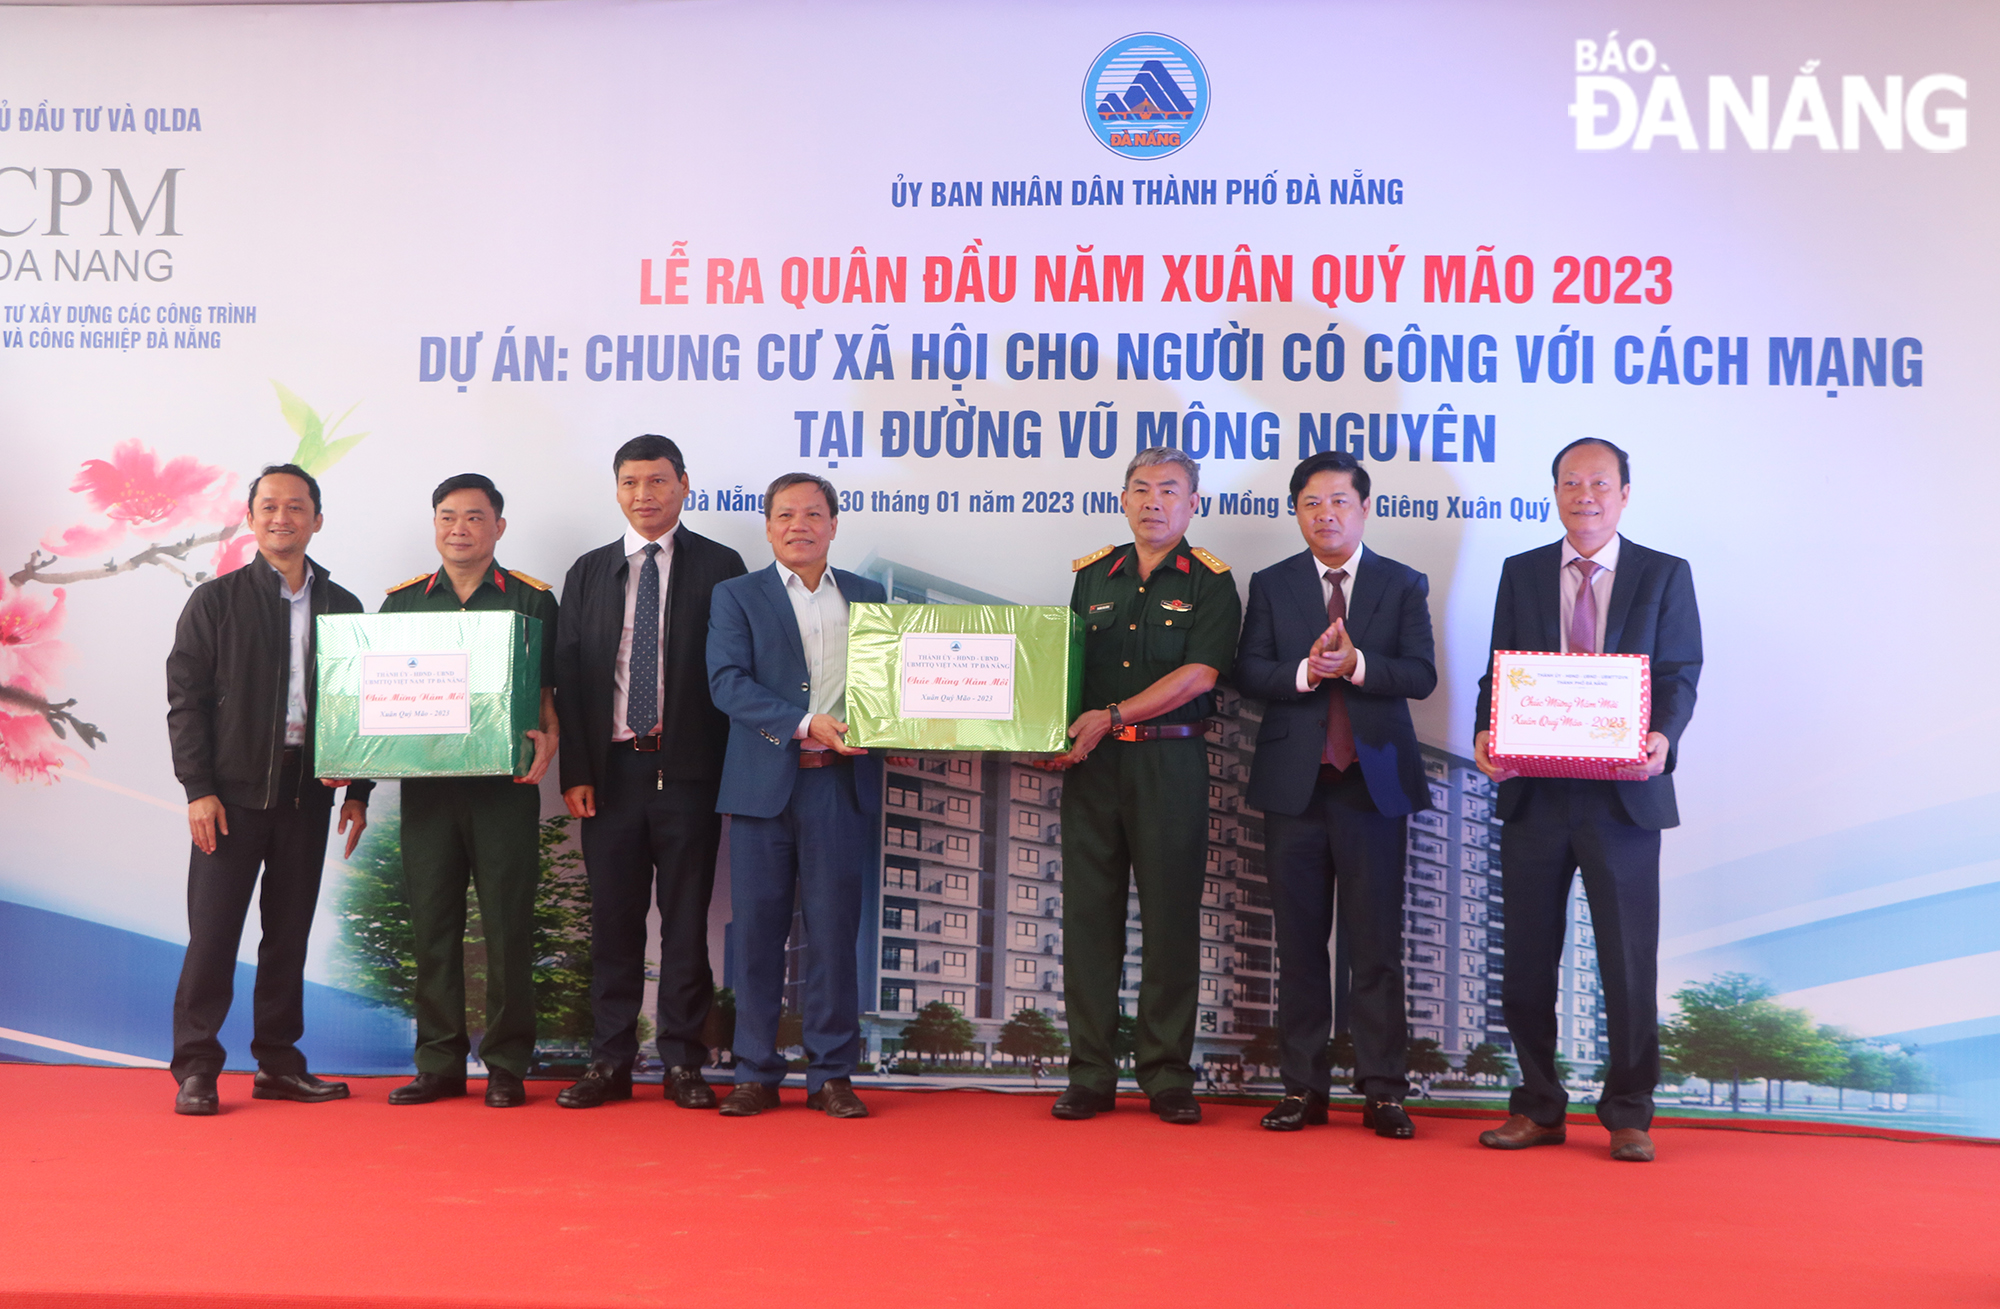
(1339, 731)
(1583, 618)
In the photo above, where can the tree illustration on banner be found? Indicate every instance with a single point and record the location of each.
(1731, 1029)
(133, 494)
(1487, 1062)
(939, 1030)
(1425, 1058)
(1032, 1034)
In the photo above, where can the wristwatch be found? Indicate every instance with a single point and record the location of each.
(1117, 719)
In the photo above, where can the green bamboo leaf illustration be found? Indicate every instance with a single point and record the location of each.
(333, 453)
(334, 426)
(302, 419)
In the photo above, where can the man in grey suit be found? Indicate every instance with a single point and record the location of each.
(805, 806)
(1337, 640)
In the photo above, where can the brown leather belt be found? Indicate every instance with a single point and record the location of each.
(642, 744)
(820, 758)
(1164, 732)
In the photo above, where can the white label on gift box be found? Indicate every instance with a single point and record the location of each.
(416, 694)
(1573, 706)
(958, 675)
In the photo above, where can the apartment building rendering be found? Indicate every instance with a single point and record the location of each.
(970, 897)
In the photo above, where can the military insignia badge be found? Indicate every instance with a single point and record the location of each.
(1176, 606)
(1098, 609)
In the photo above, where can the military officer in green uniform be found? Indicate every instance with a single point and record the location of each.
(1160, 619)
(486, 829)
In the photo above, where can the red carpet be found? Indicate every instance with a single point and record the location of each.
(940, 1199)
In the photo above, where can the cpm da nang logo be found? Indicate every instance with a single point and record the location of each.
(1145, 96)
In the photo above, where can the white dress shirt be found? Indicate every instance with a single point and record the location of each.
(1326, 585)
(299, 605)
(621, 678)
(822, 616)
(1567, 586)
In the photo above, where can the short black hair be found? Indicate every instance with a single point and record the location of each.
(1624, 460)
(471, 482)
(645, 449)
(802, 479)
(290, 470)
(1329, 461)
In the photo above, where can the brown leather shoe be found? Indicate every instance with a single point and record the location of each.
(1629, 1145)
(836, 1096)
(749, 1099)
(1520, 1131)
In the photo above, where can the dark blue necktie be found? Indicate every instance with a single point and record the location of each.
(642, 700)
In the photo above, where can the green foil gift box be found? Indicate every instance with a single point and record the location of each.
(427, 695)
(963, 677)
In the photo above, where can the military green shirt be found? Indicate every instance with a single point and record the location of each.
(501, 591)
(1136, 632)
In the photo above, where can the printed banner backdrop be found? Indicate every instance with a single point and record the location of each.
(964, 261)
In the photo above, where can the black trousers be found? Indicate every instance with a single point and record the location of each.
(1340, 842)
(289, 844)
(1566, 826)
(653, 839)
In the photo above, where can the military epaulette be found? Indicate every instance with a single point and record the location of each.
(535, 582)
(420, 577)
(1079, 565)
(1214, 565)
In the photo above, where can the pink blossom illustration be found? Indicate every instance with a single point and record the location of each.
(30, 657)
(29, 652)
(175, 508)
(135, 493)
(233, 553)
(29, 749)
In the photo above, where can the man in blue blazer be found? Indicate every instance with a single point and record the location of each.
(805, 806)
(1591, 592)
(1337, 641)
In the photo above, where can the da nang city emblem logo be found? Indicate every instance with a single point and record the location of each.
(1145, 96)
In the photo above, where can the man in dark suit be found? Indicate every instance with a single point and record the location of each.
(1591, 592)
(1337, 640)
(805, 806)
(641, 760)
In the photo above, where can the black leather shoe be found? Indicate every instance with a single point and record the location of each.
(303, 1087)
(504, 1090)
(1388, 1119)
(197, 1096)
(836, 1096)
(1080, 1102)
(1296, 1112)
(602, 1082)
(749, 1099)
(426, 1087)
(687, 1088)
(1177, 1105)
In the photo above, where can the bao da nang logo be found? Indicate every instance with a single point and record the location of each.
(1145, 96)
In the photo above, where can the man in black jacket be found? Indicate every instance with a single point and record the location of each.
(240, 691)
(641, 750)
